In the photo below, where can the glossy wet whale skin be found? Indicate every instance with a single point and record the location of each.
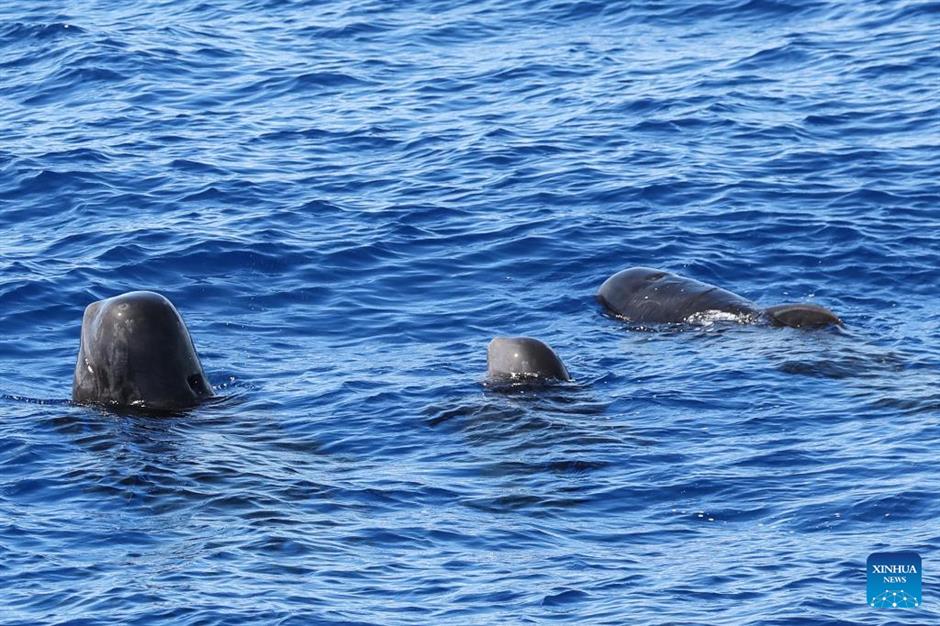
(135, 351)
(646, 295)
(509, 358)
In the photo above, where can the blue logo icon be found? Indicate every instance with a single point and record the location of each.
(894, 580)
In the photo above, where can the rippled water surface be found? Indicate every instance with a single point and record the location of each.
(347, 200)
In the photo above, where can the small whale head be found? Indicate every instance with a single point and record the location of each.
(645, 295)
(523, 358)
(617, 292)
(801, 316)
(136, 352)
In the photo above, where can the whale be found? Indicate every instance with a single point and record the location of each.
(135, 352)
(645, 295)
(523, 359)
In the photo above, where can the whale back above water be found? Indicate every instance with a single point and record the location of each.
(646, 295)
(135, 351)
(650, 296)
(521, 358)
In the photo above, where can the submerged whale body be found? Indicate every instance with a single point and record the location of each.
(136, 352)
(650, 296)
(523, 358)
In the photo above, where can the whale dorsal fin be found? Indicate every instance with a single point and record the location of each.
(802, 315)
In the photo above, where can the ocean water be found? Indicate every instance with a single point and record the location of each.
(347, 200)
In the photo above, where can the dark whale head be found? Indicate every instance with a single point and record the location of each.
(647, 295)
(511, 358)
(801, 316)
(136, 352)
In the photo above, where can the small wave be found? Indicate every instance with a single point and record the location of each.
(17, 32)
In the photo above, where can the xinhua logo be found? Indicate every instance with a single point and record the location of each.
(894, 580)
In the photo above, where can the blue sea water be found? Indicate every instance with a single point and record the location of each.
(347, 200)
